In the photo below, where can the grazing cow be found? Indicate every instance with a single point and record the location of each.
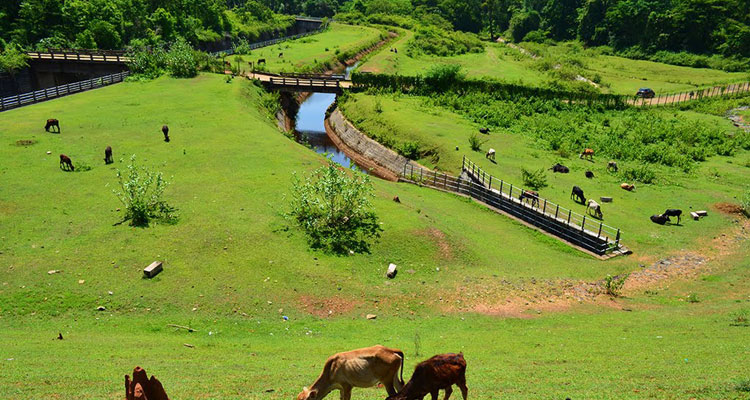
(439, 372)
(660, 219)
(588, 153)
(66, 163)
(108, 155)
(589, 174)
(165, 131)
(672, 212)
(595, 207)
(531, 195)
(577, 195)
(261, 61)
(490, 154)
(627, 187)
(486, 131)
(358, 368)
(281, 55)
(396, 199)
(395, 50)
(612, 166)
(560, 168)
(52, 123)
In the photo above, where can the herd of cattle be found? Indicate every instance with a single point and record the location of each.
(379, 364)
(593, 208)
(66, 164)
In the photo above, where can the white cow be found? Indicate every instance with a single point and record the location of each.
(595, 207)
(491, 154)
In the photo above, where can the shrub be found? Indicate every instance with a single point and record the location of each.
(534, 179)
(242, 46)
(742, 386)
(693, 298)
(13, 59)
(432, 40)
(333, 207)
(475, 142)
(141, 192)
(745, 203)
(410, 150)
(642, 174)
(444, 76)
(613, 284)
(181, 61)
(147, 63)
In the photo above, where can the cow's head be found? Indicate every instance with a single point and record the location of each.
(307, 394)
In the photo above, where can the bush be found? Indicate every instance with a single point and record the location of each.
(444, 76)
(642, 174)
(475, 142)
(439, 42)
(13, 59)
(147, 63)
(141, 193)
(410, 150)
(745, 203)
(181, 60)
(534, 179)
(333, 207)
(613, 284)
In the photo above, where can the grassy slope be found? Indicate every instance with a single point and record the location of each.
(407, 118)
(229, 256)
(311, 50)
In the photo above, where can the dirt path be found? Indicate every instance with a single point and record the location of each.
(527, 300)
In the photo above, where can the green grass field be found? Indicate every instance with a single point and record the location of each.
(310, 52)
(233, 268)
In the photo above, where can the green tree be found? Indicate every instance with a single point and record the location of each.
(465, 15)
(522, 23)
(164, 23)
(559, 18)
(105, 35)
(592, 28)
(13, 59)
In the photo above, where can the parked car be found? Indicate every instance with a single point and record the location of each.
(645, 93)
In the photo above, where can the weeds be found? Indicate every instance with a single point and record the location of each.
(613, 284)
(476, 143)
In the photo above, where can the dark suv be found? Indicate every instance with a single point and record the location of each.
(646, 93)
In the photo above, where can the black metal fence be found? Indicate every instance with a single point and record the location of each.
(23, 99)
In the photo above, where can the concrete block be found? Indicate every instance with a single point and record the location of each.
(695, 215)
(702, 213)
(153, 269)
(391, 271)
(606, 199)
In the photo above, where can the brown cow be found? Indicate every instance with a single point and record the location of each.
(588, 153)
(439, 372)
(52, 123)
(530, 195)
(358, 368)
(165, 131)
(108, 155)
(66, 163)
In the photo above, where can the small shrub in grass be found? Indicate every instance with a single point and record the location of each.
(378, 106)
(534, 179)
(475, 142)
(642, 174)
(82, 166)
(333, 207)
(410, 150)
(693, 298)
(742, 385)
(741, 318)
(181, 61)
(613, 284)
(745, 203)
(141, 192)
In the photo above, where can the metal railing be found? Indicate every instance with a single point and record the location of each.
(20, 100)
(312, 83)
(76, 55)
(270, 42)
(338, 77)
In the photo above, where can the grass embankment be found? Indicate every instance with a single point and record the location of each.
(400, 119)
(314, 53)
(232, 269)
(561, 63)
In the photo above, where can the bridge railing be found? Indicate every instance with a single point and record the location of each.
(78, 56)
(20, 100)
(300, 82)
(339, 77)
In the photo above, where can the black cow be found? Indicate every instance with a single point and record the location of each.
(108, 155)
(486, 131)
(577, 195)
(165, 131)
(52, 123)
(660, 219)
(261, 61)
(560, 168)
(589, 174)
(672, 212)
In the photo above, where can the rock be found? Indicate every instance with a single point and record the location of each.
(371, 316)
(391, 271)
(153, 269)
(53, 271)
(81, 281)
(101, 308)
(49, 152)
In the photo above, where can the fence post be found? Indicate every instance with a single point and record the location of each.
(434, 180)
(544, 209)
(556, 210)
(617, 240)
(600, 231)
(490, 185)
(583, 224)
(501, 189)
(569, 213)
(510, 193)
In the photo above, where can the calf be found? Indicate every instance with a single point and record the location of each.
(439, 372)
(660, 219)
(594, 207)
(165, 131)
(531, 195)
(627, 187)
(66, 164)
(486, 131)
(52, 123)
(671, 212)
(560, 168)
(490, 154)
(588, 153)
(577, 195)
(108, 155)
(358, 368)
(589, 174)
(612, 166)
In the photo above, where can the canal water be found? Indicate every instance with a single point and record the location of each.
(311, 129)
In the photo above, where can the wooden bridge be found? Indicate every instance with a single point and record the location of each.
(81, 55)
(302, 83)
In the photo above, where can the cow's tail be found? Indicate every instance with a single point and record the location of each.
(403, 359)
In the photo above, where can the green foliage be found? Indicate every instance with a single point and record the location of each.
(534, 179)
(439, 42)
(444, 76)
(742, 386)
(522, 23)
(692, 298)
(242, 47)
(475, 143)
(613, 284)
(147, 63)
(141, 193)
(181, 62)
(13, 59)
(745, 203)
(642, 174)
(333, 207)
